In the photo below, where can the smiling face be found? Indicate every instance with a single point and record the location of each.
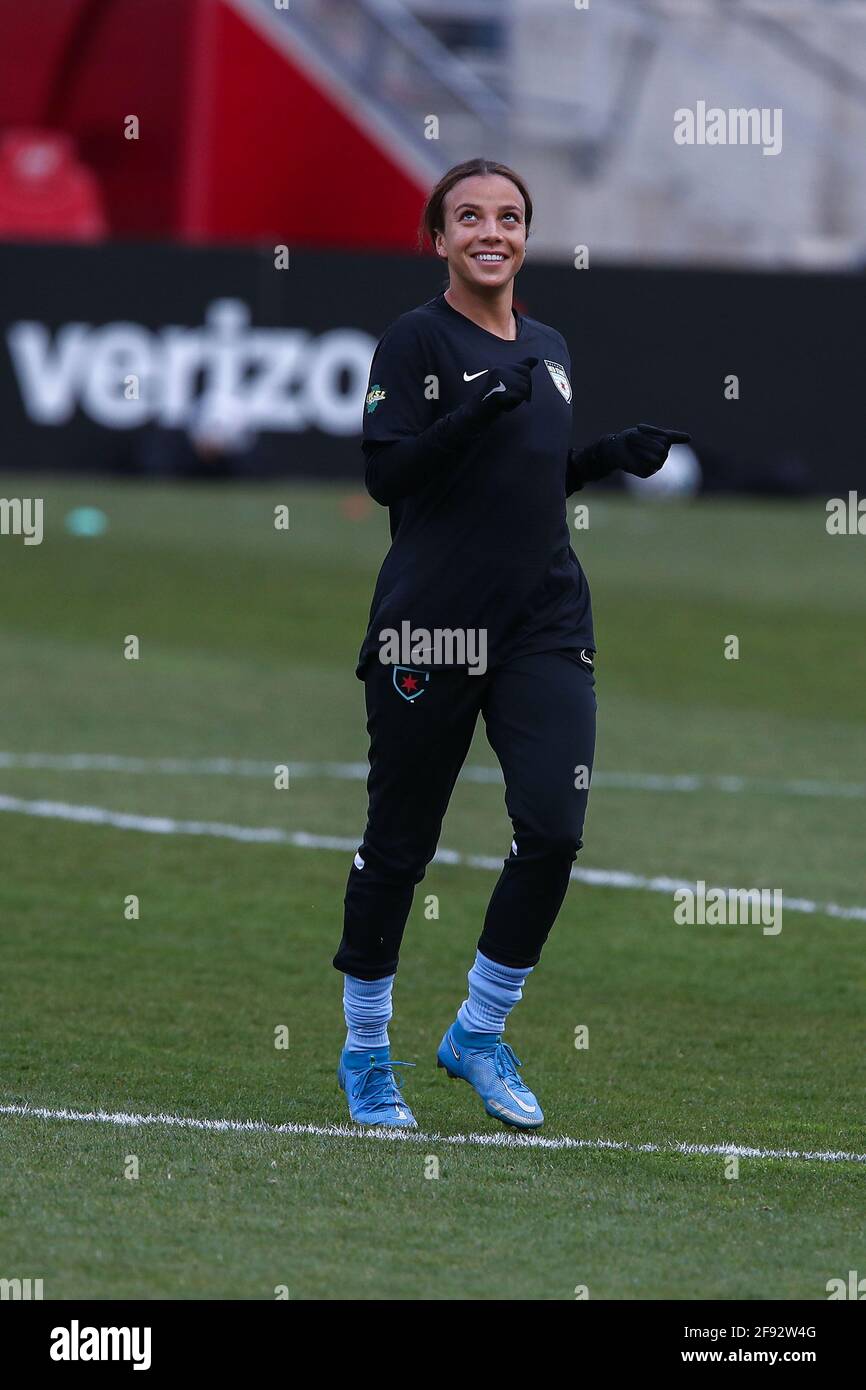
(484, 236)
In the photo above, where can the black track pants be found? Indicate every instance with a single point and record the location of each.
(539, 713)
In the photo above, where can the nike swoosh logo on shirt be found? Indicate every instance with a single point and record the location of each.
(467, 377)
(492, 392)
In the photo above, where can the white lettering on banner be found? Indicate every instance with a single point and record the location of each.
(282, 379)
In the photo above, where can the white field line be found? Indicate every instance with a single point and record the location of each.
(301, 839)
(357, 772)
(499, 1140)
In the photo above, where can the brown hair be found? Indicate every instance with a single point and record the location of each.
(432, 218)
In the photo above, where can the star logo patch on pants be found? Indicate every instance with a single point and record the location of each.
(410, 683)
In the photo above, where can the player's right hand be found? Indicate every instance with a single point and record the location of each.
(506, 388)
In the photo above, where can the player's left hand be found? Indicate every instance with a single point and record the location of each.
(641, 450)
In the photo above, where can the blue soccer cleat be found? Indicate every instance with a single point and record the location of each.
(371, 1088)
(489, 1064)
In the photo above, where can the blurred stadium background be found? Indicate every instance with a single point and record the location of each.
(208, 212)
(155, 153)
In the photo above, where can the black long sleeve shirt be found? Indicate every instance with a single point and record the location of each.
(479, 532)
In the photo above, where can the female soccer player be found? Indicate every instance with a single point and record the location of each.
(480, 606)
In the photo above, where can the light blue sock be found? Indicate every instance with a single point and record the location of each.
(367, 1006)
(494, 989)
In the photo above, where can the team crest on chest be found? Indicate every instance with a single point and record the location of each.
(559, 379)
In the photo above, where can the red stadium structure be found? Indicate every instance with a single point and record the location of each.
(45, 191)
(238, 134)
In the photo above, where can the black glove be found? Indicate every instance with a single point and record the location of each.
(505, 388)
(641, 450)
(403, 466)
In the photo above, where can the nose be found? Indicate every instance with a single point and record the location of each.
(488, 231)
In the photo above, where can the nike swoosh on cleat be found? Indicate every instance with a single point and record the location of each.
(467, 377)
(504, 1111)
(453, 1048)
(530, 1109)
(500, 387)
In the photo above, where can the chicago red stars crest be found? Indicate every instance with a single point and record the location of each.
(559, 378)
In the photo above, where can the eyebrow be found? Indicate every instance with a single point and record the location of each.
(505, 207)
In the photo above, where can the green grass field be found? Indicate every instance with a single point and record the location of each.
(704, 1035)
